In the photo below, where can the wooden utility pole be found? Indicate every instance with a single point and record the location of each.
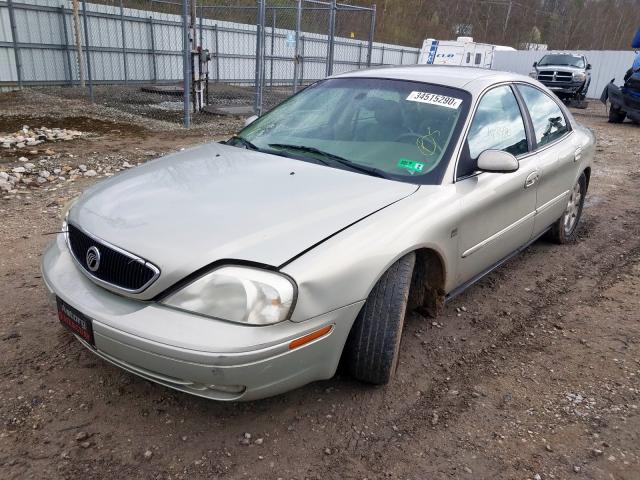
(76, 32)
(506, 20)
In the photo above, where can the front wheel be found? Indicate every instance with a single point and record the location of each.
(374, 341)
(564, 230)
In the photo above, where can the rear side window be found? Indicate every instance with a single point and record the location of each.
(497, 125)
(549, 123)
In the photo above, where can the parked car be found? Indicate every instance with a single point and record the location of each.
(624, 102)
(241, 270)
(568, 75)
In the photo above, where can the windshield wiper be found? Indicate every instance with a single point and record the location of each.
(242, 141)
(336, 158)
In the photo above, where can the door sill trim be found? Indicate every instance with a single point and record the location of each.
(458, 290)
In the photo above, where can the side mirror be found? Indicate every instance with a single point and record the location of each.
(588, 66)
(250, 120)
(535, 64)
(497, 161)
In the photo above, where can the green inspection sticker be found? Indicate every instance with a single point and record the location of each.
(411, 165)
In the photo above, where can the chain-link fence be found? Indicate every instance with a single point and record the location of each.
(232, 56)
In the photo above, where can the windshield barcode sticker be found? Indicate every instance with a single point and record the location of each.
(433, 99)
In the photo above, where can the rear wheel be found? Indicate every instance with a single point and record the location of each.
(564, 230)
(374, 341)
(616, 115)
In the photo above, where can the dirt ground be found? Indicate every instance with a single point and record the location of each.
(534, 373)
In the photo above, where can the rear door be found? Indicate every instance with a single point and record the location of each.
(497, 209)
(556, 154)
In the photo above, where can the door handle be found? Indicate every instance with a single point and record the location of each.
(531, 180)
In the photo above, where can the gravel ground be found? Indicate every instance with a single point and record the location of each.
(534, 373)
(163, 107)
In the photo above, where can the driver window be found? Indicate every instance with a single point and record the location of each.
(497, 125)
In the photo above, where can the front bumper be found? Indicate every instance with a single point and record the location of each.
(566, 88)
(198, 355)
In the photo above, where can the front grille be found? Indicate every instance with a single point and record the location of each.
(116, 267)
(554, 76)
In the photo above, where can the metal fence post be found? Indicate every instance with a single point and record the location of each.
(217, 55)
(372, 29)
(273, 41)
(86, 49)
(260, 56)
(296, 55)
(65, 35)
(124, 44)
(14, 36)
(302, 61)
(152, 37)
(201, 25)
(186, 62)
(332, 33)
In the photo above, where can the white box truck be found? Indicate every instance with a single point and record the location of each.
(462, 52)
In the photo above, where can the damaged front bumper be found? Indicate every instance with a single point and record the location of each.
(202, 356)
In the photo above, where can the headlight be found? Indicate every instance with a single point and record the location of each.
(65, 214)
(579, 76)
(533, 74)
(238, 294)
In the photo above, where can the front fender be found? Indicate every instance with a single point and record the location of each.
(344, 269)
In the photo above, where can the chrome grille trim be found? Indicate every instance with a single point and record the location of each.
(104, 243)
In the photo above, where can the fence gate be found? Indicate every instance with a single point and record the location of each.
(302, 41)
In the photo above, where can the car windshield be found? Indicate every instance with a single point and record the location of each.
(568, 60)
(389, 128)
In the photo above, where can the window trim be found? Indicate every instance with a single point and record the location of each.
(525, 118)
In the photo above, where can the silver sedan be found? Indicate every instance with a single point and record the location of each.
(243, 269)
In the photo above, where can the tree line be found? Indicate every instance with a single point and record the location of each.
(561, 24)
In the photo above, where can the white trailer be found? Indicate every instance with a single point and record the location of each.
(462, 52)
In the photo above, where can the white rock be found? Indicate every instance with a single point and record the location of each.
(41, 180)
(29, 166)
(4, 175)
(19, 170)
(83, 168)
(5, 185)
(57, 171)
(23, 159)
(90, 173)
(44, 174)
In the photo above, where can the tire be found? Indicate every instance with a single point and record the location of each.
(564, 230)
(374, 341)
(616, 115)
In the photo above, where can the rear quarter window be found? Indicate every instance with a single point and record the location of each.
(549, 121)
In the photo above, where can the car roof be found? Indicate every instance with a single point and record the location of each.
(471, 79)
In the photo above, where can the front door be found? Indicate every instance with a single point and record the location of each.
(497, 209)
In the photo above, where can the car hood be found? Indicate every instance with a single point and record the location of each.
(561, 68)
(216, 202)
